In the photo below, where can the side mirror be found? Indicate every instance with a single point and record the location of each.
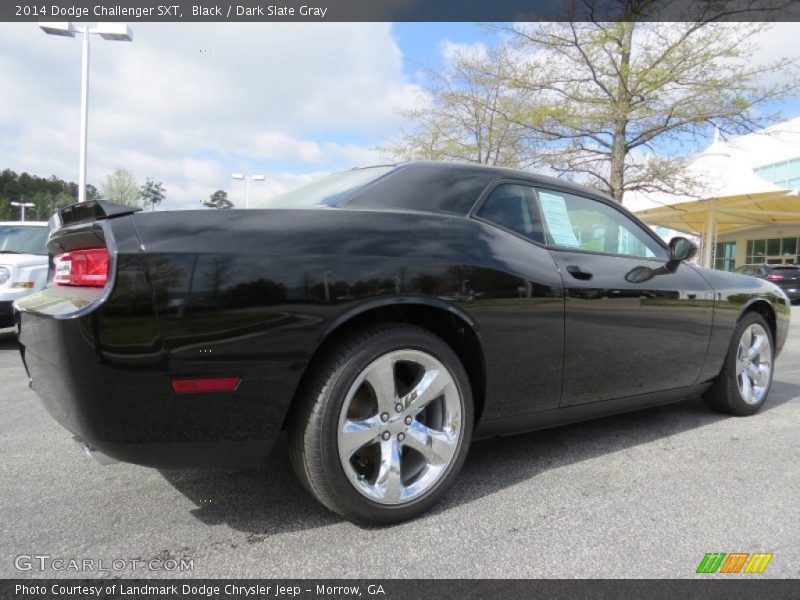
(681, 249)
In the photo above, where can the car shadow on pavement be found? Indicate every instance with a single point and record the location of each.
(271, 500)
(259, 502)
(8, 339)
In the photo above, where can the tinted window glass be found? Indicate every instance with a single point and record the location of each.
(514, 207)
(580, 223)
(327, 191)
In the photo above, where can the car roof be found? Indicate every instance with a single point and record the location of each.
(447, 187)
(25, 223)
(510, 173)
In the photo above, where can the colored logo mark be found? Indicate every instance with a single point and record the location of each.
(734, 562)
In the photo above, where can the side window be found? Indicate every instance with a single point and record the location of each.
(576, 222)
(513, 206)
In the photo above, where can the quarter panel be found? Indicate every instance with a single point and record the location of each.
(270, 289)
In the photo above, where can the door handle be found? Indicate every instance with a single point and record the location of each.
(578, 273)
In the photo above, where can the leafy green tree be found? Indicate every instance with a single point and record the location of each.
(120, 187)
(607, 103)
(152, 193)
(92, 193)
(463, 115)
(219, 199)
(48, 194)
(609, 94)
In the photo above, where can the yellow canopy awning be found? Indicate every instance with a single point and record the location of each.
(730, 213)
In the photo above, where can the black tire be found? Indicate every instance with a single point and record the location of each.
(724, 395)
(314, 424)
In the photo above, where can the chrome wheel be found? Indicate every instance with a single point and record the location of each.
(400, 426)
(753, 364)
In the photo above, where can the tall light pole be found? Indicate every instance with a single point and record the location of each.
(247, 180)
(23, 206)
(117, 32)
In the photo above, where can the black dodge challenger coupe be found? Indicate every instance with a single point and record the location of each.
(384, 317)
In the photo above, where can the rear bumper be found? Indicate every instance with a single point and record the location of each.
(793, 292)
(216, 455)
(120, 399)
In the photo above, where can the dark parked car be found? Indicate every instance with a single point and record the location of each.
(786, 277)
(385, 317)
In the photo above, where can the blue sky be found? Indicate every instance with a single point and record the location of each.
(189, 104)
(422, 42)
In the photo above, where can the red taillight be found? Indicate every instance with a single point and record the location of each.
(82, 267)
(218, 384)
(775, 277)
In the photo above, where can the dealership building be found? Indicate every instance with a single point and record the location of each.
(746, 207)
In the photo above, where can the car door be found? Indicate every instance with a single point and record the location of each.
(634, 322)
(522, 324)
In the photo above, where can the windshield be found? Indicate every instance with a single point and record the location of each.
(18, 239)
(327, 191)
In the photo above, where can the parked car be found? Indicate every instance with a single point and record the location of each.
(786, 277)
(336, 313)
(23, 263)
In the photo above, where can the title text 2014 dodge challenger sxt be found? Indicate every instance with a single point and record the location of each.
(385, 317)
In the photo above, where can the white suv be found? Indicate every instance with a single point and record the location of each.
(23, 263)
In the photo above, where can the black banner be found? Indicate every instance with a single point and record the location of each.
(398, 10)
(395, 589)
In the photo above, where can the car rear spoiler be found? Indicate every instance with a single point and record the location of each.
(92, 210)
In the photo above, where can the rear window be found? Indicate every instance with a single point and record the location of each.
(18, 239)
(328, 191)
(786, 268)
(513, 206)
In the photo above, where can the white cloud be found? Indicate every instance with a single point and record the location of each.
(188, 104)
(451, 50)
(778, 42)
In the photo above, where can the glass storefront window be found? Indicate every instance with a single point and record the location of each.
(725, 256)
(784, 174)
(773, 246)
(794, 168)
(773, 251)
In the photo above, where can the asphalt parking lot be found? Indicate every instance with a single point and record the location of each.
(640, 495)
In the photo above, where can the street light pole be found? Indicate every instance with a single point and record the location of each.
(84, 115)
(118, 32)
(23, 206)
(247, 179)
